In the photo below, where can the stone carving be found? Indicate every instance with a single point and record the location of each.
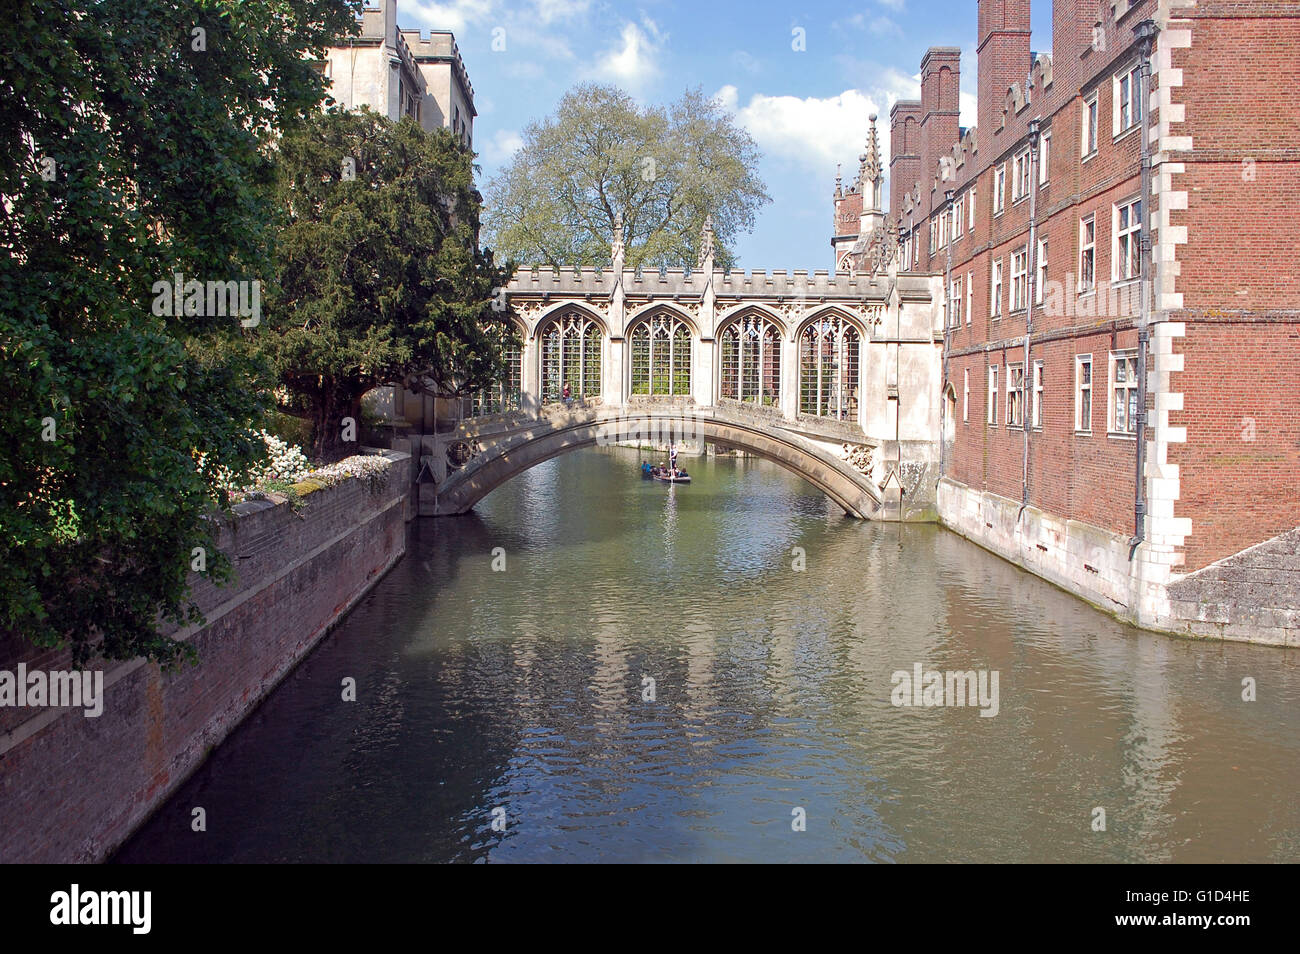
(882, 248)
(859, 456)
(706, 245)
(617, 249)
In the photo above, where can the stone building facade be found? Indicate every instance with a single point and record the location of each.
(1121, 351)
(402, 73)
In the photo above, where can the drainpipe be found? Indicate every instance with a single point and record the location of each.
(1146, 35)
(1031, 265)
(947, 324)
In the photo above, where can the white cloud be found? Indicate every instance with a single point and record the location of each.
(454, 15)
(883, 26)
(879, 24)
(967, 106)
(502, 145)
(815, 133)
(633, 63)
(894, 4)
(743, 60)
(550, 10)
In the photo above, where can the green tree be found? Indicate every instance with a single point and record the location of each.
(381, 279)
(135, 143)
(601, 158)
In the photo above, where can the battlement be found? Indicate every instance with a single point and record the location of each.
(588, 280)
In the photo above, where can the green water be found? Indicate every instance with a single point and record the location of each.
(522, 696)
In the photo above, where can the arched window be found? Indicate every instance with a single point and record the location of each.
(751, 361)
(504, 395)
(661, 356)
(571, 346)
(828, 368)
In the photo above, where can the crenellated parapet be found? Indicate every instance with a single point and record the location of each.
(580, 282)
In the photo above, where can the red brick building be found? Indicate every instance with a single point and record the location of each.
(1101, 323)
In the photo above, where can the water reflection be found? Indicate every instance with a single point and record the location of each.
(525, 690)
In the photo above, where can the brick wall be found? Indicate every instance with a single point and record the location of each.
(1223, 470)
(73, 788)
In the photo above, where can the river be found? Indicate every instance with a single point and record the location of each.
(707, 673)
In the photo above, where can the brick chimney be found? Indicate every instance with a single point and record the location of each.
(1003, 56)
(904, 152)
(940, 109)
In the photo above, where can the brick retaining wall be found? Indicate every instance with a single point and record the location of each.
(73, 788)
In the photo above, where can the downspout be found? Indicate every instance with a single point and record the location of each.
(1031, 265)
(1146, 35)
(947, 324)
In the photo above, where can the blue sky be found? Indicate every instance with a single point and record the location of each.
(806, 109)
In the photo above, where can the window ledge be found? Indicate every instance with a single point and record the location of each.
(1091, 291)
(1122, 436)
(1091, 155)
(1079, 433)
(1125, 282)
(1125, 133)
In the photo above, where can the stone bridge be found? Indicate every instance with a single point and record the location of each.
(484, 452)
(834, 375)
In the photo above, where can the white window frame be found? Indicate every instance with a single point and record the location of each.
(1088, 131)
(1036, 412)
(1015, 395)
(1041, 265)
(1020, 177)
(934, 236)
(1045, 158)
(958, 214)
(965, 395)
(1126, 359)
(1020, 278)
(1000, 189)
(970, 212)
(1080, 388)
(970, 294)
(1085, 246)
(1128, 236)
(992, 408)
(995, 289)
(1122, 104)
(954, 303)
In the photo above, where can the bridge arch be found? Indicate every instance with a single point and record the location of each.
(852, 490)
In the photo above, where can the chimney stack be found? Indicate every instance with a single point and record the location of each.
(904, 152)
(1003, 56)
(940, 110)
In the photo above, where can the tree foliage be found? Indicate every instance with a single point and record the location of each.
(601, 157)
(135, 144)
(380, 276)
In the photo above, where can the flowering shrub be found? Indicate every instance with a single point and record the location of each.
(286, 465)
(371, 468)
(284, 462)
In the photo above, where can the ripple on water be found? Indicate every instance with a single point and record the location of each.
(526, 691)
